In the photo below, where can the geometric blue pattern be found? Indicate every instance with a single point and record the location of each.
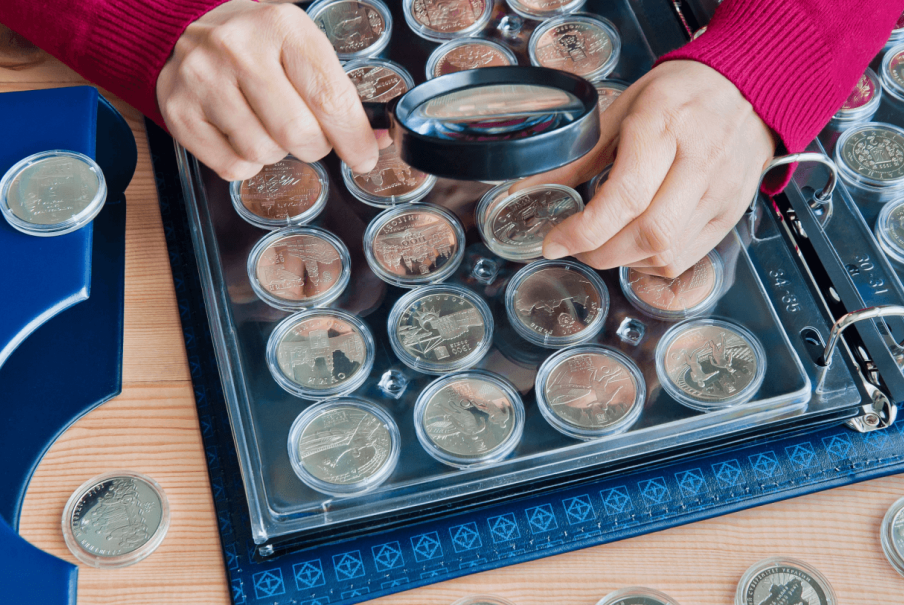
(503, 528)
(268, 583)
(232, 556)
(317, 601)
(238, 591)
(348, 565)
(839, 446)
(690, 482)
(308, 574)
(541, 518)
(802, 455)
(465, 537)
(654, 490)
(616, 500)
(877, 440)
(765, 464)
(426, 547)
(578, 509)
(388, 556)
(728, 473)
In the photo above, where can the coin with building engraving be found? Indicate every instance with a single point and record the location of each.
(583, 46)
(784, 582)
(353, 27)
(378, 81)
(462, 55)
(690, 293)
(875, 152)
(289, 191)
(444, 18)
(517, 224)
(391, 182)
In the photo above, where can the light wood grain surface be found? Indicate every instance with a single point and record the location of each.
(153, 428)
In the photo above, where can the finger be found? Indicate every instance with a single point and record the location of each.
(383, 138)
(705, 241)
(230, 113)
(212, 148)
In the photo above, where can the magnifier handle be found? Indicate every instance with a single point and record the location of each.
(377, 115)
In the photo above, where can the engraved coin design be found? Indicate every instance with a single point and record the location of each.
(448, 16)
(591, 390)
(681, 293)
(607, 92)
(470, 56)
(545, 6)
(861, 95)
(415, 243)
(710, 363)
(299, 267)
(523, 219)
(470, 417)
(876, 153)
(557, 302)
(577, 47)
(895, 69)
(391, 177)
(282, 190)
(378, 83)
(786, 585)
(344, 445)
(351, 26)
(441, 327)
(52, 190)
(321, 352)
(897, 532)
(894, 229)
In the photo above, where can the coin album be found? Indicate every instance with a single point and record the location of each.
(425, 365)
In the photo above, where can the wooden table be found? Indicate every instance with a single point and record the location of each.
(153, 428)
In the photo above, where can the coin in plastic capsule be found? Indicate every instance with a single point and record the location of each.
(672, 299)
(414, 245)
(377, 80)
(544, 9)
(870, 157)
(584, 45)
(482, 600)
(439, 20)
(897, 34)
(863, 101)
(891, 72)
(289, 192)
(784, 580)
(344, 447)
(708, 364)
(116, 519)
(588, 392)
(52, 193)
(440, 328)
(889, 230)
(355, 28)
(892, 536)
(299, 267)
(468, 53)
(469, 418)
(556, 303)
(637, 596)
(390, 183)
(320, 353)
(608, 91)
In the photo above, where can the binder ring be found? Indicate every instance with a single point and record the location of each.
(850, 319)
(821, 197)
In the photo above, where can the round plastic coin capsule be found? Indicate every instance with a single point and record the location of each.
(344, 447)
(672, 299)
(469, 418)
(390, 183)
(355, 28)
(414, 245)
(482, 600)
(544, 9)
(784, 580)
(863, 101)
(289, 192)
(892, 72)
(608, 91)
(897, 34)
(637, 596)
(889, 229)
(468, 53)
(870, 157)
(52, 193)
(589, 392)
(583, 45)
(709, 364)
(556, 303)
(892, 535)
(439, 20)
(299, 267)
(378, 81)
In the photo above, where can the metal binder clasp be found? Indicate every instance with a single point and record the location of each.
(821, 198)
(850, 319)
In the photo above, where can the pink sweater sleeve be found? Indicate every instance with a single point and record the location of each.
(120, 45)
(796, 61)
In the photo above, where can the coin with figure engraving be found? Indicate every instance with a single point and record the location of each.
(872, 155)
(299, 267)
(779, 580)
(889, 229)
(590, 391)
(411, 246)
(555, 303)
(343, 446)
(708, 364)
(52, 193)
(608, 91)
(582, 45)
(390, 183)
(116, 519)
(445, 19)
(671, 299)
(544, 9)
(355, 28)
(638, 596)
(468, 53)
(469, 418)
(289, 192)
(892, 535)
(378, 81)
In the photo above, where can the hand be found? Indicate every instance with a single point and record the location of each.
(688, 150)
(248, 83)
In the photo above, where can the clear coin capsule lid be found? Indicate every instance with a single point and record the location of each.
(590, 391)
(513, 225)
(897, 34)
(863, 101)
(52, 193)
(438, 20)
(784, 580)
(355, 28)
(871, 157)
(344, 447)
(414, 245)
(580, 44)
(637, 595)
(320, 353)
(378, 80)
(671, 299)
(708, 364)
(892, 535)
(596, 182)
(889, 229)
(556, 303)
(891, 72)
(544, 9)
(468, 53)
(299, 267)
(289, 192)
(390, 183)
(608, 91)
(440, 328)
(469, 418)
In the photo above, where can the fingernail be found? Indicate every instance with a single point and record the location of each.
(553, 250)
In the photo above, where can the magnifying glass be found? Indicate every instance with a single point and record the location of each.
(492, 123)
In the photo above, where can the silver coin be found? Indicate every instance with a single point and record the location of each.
(344, 445)
(469, 418)
(876, 153)
(897, 532)
(377, 83)
(441, 328)
(321, 352)
(894, 226)
(896, 69)
(522, 220)
(607, 92)
(786, 585)
(415, 243)
(577, 47)
(351, 26)
(448, 16)
(591, 390)
(557, 302)
(52, 190)
(115, 517)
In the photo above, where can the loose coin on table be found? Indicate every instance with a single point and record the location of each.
(299, 267)
(390, 183)
(378, 81)
(590, 391)
(355, 28)
(672, 299)
(555, 303)
(320, 353)
(639, 596)
(445, 19)
(289, 192)
(892, 535)
(579, 44)
(709, 364)
(871, 157)
(779, 580)
(414, 245)
(544, 9)
(116, 519)
(344, 447)
(440, 328)
(889, 229)
(52, 193)
(469, 418)
(863, 101)
(468, 53)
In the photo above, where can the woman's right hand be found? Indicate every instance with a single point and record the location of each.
(248, 83)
